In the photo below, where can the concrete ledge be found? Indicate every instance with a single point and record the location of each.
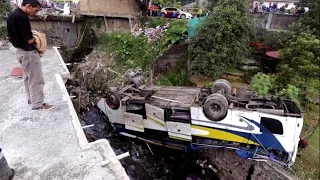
(49, 144)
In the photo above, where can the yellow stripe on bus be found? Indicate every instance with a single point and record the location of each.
(155, 121)
(222, 135)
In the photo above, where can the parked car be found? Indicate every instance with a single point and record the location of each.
(172, 12)
(257, 127)
(195, 12)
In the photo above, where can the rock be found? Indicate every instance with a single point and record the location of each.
(249, 62)
(249, 68)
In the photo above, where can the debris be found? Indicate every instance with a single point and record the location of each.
(150, 149)
(88, 126)
(212, 168)
(121, 156)
(152, 33)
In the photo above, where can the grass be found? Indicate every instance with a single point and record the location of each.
(233, 70)
(307, 161)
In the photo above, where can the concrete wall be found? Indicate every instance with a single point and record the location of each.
(282, 21)
(59, 33)
(110, 8)
(273, 21)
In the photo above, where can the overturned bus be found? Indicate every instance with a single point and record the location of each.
(257, 127)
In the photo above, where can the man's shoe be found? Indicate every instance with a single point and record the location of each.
(44, 106)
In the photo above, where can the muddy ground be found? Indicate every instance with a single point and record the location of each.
(163, 163)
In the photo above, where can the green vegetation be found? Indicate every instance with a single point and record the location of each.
(307, 162)
(177, 77)
(176, 34)
(223, 39)
(174, 78)
(290, 91)
(312, 17)
(3, 31)
(299, 66)
(131, 52)
(128, 51)
(5, 9)
(261, 83)
(157, 22)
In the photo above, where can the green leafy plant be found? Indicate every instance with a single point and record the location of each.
(290, 91)
(129, 51)
(223, 38)
(261, 83)
(175, 78)
(157, 22)
(176, 34)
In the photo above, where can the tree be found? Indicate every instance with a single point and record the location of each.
(312, 17)
(143, 6)
(223, 38)
(300, 60)
(300, 66)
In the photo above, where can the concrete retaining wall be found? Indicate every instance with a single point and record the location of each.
(59, 33)
(65, 33)
(275, 21)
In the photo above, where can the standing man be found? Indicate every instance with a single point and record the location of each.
(21, 37)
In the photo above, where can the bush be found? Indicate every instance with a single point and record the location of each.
(299, 61)
(290, 91)
(223, 39)
(5, 8)
(311, 18)
(176, 34)
(128, 51)
(3, 31)
(158, 22)
(179, 78)
(261, 83)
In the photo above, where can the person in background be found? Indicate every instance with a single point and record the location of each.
(21, 37)
(275, 7)
(270, 7)
(282, 9)
(264, 9)
(256, 7)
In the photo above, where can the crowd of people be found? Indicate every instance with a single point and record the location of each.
(273, 7)
(155, 9)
